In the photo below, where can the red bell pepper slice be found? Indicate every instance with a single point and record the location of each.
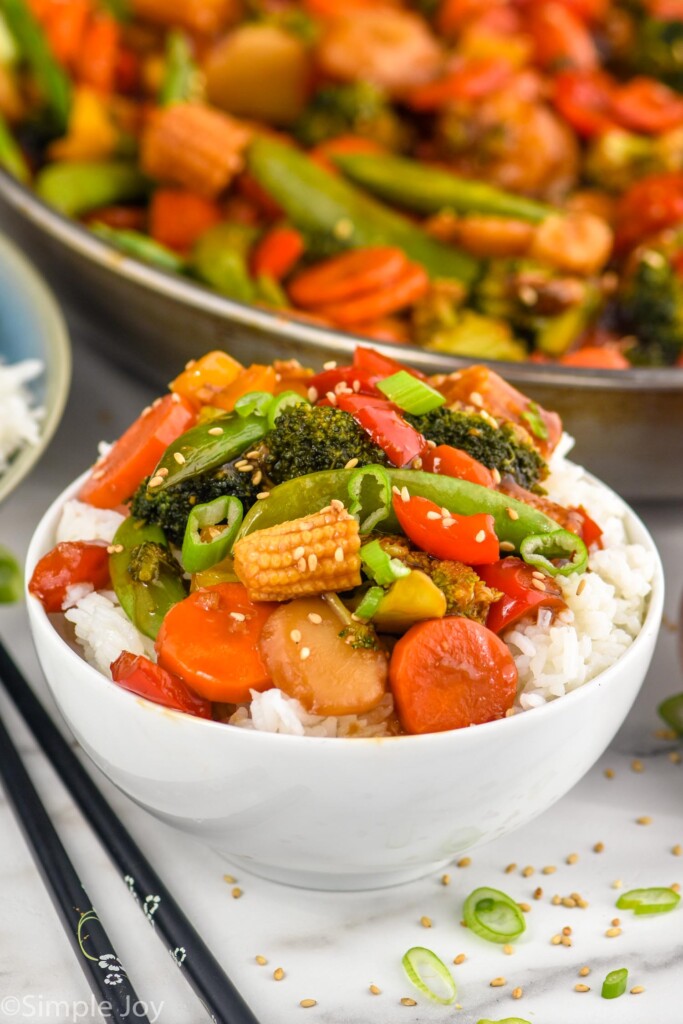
(521, 593)
(356, 379)
(584, 99)
(646, 105)
(449, 461)
(69, 563)
(650, 205)
(468, 539)
(366, 358)
(141, 676)
(591, 534)
(385, 425)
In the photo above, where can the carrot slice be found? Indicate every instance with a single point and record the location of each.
(177, 218)
(451, 673)
(347, 276)
(278, 252)
(98, 58)
(597, 357)
(137, 452)
(211, 641)
(411, 285)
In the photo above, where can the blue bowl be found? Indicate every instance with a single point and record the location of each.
(32, 327)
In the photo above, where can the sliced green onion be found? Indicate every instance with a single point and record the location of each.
(359, 480)
(533, 420)
(281, 402)
(180, 71)
(615, 983)
(198, 554)
(649, 901)
(506, 1020)
(410, 394)
(539, 548)
(492, 915)
(256, 402)
(671, 710)
(379, 566)
(429, 975)
(370, 603)
(10, 577)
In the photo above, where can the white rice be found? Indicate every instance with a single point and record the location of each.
(19, 415)
(104, 631)
(80, 521)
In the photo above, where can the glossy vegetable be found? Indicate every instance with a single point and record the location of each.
(615, 984)
(451, 673)
(411, 395)
(78, 187)
(11, 157)
(411, 598)
(671, 710)
(10, 577)
(385, 426)
(493, 915)
(134, 243)
(469, 539)
(210, 532)
(207, 446)
(142, 677)
(68, 564)
(429, 975)
(220, 259)
(522, 592)
(211, 640)
(649, 901)
(147, 579)
(562, 545)
(379, 566)
(179, 71)
(52, 80)
(443, 459)
(137, 451)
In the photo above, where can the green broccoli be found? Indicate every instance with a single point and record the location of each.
(440, 324)
(616, 159)
(307, 439)
(150, 561)
(650, 307)
(657, 50)
(502, 448)
(465, 592)
(359, 108)
(170, 508)
(359, 635)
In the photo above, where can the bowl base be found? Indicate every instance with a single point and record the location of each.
(337, 881)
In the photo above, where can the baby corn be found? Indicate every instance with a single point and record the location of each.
(191, 145)
(304, 556)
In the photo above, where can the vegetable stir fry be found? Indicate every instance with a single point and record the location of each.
(499, 180)
(353, 538)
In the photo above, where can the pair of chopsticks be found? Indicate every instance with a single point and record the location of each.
(104, 971)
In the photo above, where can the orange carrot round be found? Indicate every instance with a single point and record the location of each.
(177, 218)
(278, 252)
(402, 291)
(347, 276)
(451, 673)
(597, 357)
(211, 641)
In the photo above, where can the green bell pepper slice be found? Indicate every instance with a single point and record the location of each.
(198, 554)
(209, 445)
(146, 578)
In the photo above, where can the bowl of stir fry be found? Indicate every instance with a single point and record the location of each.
(315, 604)
(491, 181)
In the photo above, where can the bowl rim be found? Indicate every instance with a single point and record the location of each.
(326, 341)
(57, 375)
(39, 619)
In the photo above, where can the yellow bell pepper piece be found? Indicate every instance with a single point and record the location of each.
(410, 599)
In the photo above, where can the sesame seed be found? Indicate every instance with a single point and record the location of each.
(278, 974)
(464, 862)
(495, 473)
(298, 553)
(336, 505)
(517, 993)
(312, 562)
(425, 921)
(308, 1002)
(295, 636)
(314, 618)
(584, 972)
(598, 848)
(508, 949)
(301, 565)
(215, 431)
(527, 871)
(351, 463)
(581, 988)
(568, 901)
(510, 868)
(405, 494)
(407, 1001)
(98, 474)
(677, 850)
(459, 959)
(572, 858)
(190, 363)
(236, 893)
(331, 397)
(608, 773)
(343, 229)
(445, 879)
(581, 587)
(257, 478)
(674, 757)
(556, 901)
(556, 940)
(616, 922)
(156, 403)
(637, 766)
(262, 494)
(675, 887)
(538, 585)
(497, 982)
(304, 653)
(115, 549)
(506, 545)
(417, 462)
(636, 990)
(524, 907)
(512, 513)
(238, 616)
(537, 575)
(376, 991)
(617, 884)
(253, 455)
(433, 515)
(339, 554)
(261, 961)
(179, 458)
(156, 481)
(244, 467)
(476, 399)
(549, 869)
(480, 537)
(538, 893)
(312, 395)
(565, 940)
(613, 933)
(229, 878)
(175, 398)
(644, 819)
(331, 364)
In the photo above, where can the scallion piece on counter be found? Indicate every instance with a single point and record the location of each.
(380, 566)
(410, 394)
(370, 603)
(10, 577)
(220, 519)
(671, 710)
(375, 479)
(656, 900)
(493, 915)
(615, 983)
(506, 1020)
(539, 548)
(284, 401)
(256, 402)
(429, 975)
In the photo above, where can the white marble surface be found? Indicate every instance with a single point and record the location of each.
(333, 946)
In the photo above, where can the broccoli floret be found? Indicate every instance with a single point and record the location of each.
(442, 325)
(616, 159)
(308, 439)
(658, 50)
(650, 308)
(466, 594)
(500, 448)
(359, 108)
(170, 508)
(150, 561)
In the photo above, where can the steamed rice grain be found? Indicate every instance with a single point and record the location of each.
(19, 415)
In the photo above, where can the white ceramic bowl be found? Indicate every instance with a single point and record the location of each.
(331, 813)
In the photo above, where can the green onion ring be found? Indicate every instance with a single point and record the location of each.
(379, 565)
(615, 983)
(539, 548)
(284, 401)
(378, 476)
(656, 900)
(493, 915)
(410, 394)
(423, 966)
(671, 710)
(256, 402)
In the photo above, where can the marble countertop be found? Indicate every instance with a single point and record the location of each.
(333, 946)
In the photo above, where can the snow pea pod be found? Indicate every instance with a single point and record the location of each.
(321, 203)
(220, 258)
(141, 247)
(11, 156)
(207, 446)
(147, 579)
(424, 189)
(34, 48)
(75, 188)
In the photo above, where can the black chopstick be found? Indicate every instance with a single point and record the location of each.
(199, 966)
(107, 978)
